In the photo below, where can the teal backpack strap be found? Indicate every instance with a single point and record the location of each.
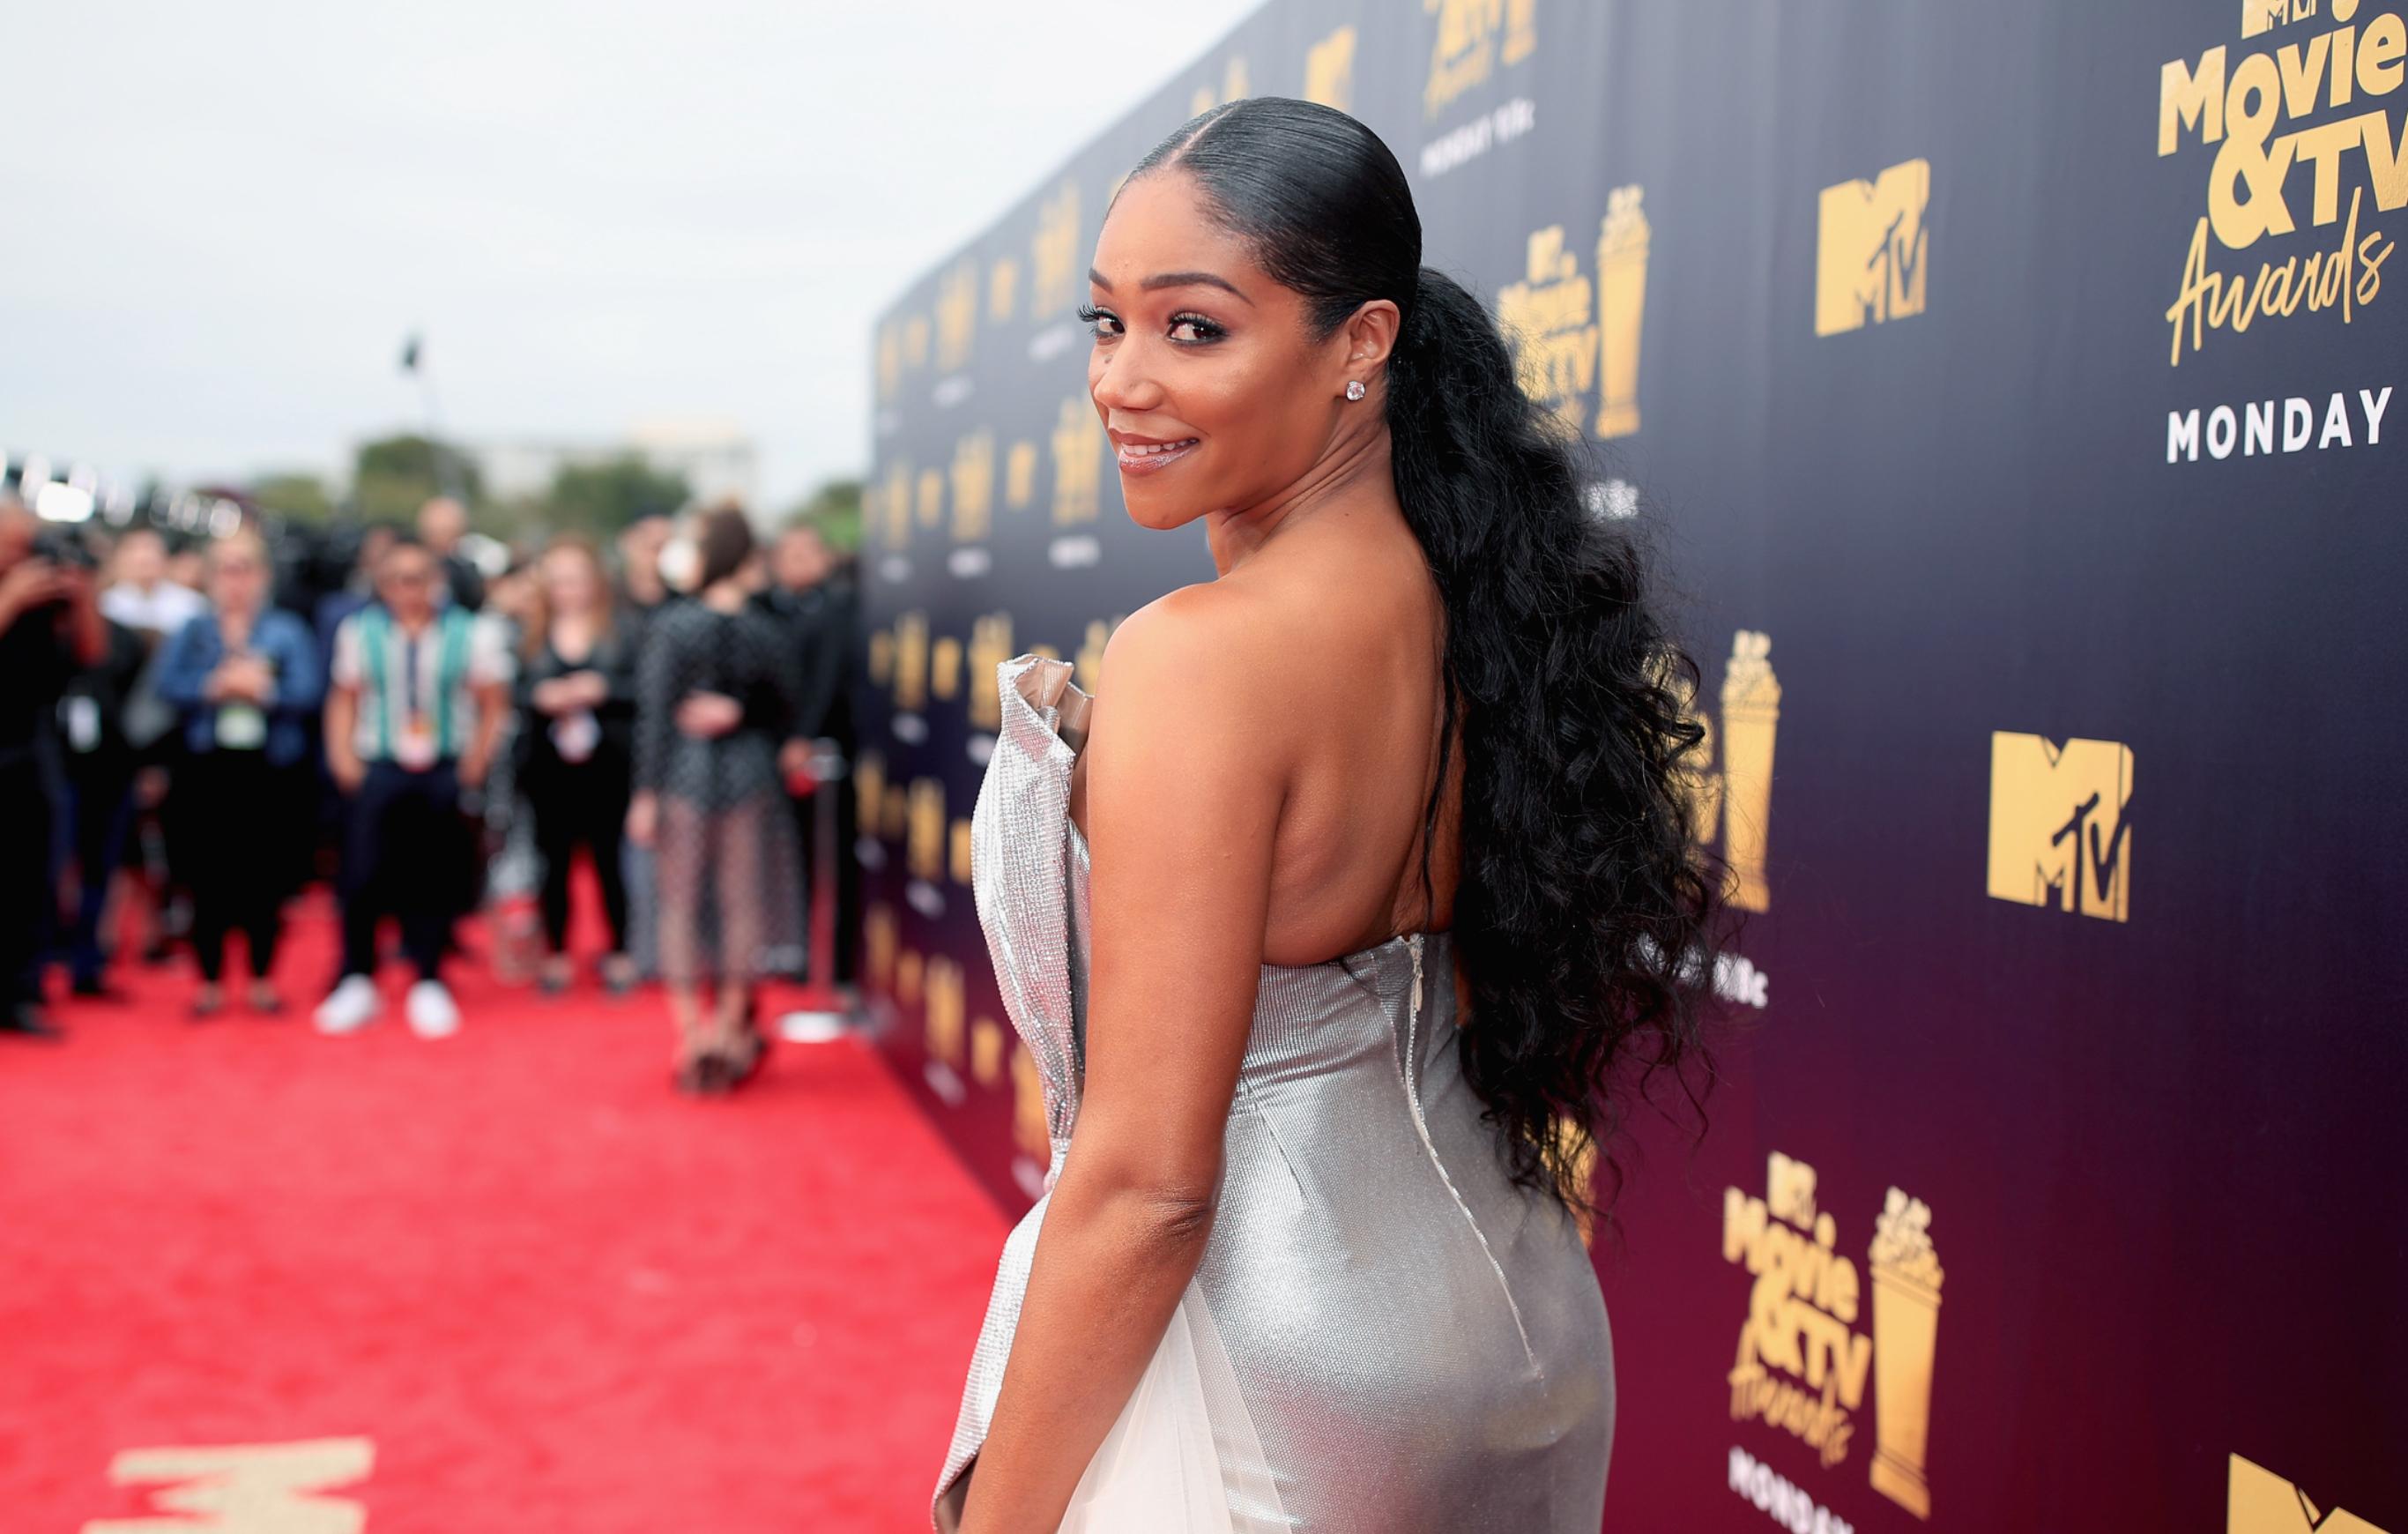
(374, 648)
(448, 676)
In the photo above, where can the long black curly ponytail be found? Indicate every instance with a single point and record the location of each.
(1585, 917)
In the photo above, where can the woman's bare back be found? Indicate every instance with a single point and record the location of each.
(1341, 628)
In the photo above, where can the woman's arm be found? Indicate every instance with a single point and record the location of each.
(1183, 800)
(617, 670)
(656, 704)
(300, 681)
(183, 676)
(531, 673)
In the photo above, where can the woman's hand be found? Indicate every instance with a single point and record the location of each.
(643, 818)
(247, 678)
(569, 693)
(706, 716)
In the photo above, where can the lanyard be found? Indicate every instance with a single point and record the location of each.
(409, 680)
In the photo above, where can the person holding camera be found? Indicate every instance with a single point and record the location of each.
(419, 698)
(49, 628)
(97, 767)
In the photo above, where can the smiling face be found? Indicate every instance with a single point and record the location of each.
(1210, 386)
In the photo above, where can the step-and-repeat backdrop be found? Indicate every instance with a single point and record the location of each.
(2025, 396)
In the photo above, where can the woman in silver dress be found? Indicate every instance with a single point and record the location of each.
(1331, 920)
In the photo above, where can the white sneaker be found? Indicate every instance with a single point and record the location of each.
(433, 1013)
(354, 1006)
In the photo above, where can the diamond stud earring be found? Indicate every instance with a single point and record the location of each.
(1354, 388)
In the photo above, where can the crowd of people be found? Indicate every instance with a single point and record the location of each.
(193, 728)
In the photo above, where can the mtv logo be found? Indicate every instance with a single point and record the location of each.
(2258, 1502)
(1789, 1190)
(1329, 70)
(2259, 16)
(2060, 832)
(1870, 254)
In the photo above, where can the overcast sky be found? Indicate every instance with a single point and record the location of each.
(223, 219)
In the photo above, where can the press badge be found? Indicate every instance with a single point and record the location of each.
(414, 746)
(575, 736)
(82, 720)
(240, 727)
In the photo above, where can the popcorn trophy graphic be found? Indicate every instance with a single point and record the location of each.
(1621, 304)
(1906, 1331)
(1751, 713)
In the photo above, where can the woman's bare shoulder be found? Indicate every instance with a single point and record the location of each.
(1199, 661)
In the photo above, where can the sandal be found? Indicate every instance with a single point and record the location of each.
(750, 1046)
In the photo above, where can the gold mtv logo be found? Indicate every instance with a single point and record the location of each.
(2059, 831)
(890, 360)
(1053, 253)
(1868, 259)
(2259, 16)
(957, 305)
(2258, 1502)
(1329, 70)
(1468, 40)
(1078, 461)
(1235, 86)
(973, 486)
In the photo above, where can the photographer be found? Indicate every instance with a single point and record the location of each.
(49, 628)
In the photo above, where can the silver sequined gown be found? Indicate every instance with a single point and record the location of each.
(1415, 1343)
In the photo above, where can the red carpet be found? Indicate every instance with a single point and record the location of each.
(552, 1294)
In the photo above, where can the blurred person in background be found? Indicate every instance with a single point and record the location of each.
(419, 693)
(814, 596)
(354, 553)
(188, 563)
(717, 695)
(642, 594)
(244, 679)
(50, 628)
(839, 590)
(641, 590)
(505, 865)
(575, 696)
(142, 594)
(358, 588)
(99, 761)
(442, 522)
